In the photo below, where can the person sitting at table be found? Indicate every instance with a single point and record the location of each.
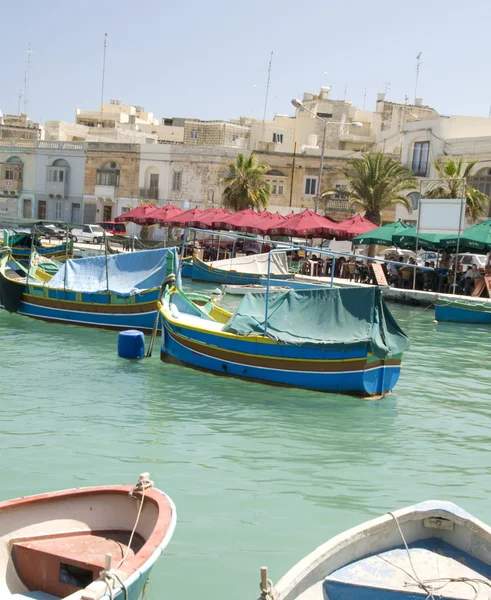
(470, 277)
(392, 272)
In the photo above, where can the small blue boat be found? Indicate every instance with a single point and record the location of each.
(433, 550)
(463, 311)
(187, 266)
(115, 292)
(96, 543)
(243, 270)
(336, 340)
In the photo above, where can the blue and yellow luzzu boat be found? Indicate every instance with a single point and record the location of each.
(115, 292)
(334, 340)
(243, 270)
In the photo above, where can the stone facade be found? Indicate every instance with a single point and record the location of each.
(111, 180)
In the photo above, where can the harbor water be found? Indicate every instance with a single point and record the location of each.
(260, 475)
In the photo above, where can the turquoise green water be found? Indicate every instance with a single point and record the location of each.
(260, 475)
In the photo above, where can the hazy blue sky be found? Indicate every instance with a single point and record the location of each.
(210, 59)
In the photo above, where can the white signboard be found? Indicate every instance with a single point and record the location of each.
(445, 216)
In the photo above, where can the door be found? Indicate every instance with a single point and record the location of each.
(27, 208)
(42, 209)
(75, 217)
(154, 186)
(107, 213)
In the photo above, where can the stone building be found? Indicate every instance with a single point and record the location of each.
(111, 180)
(19, 127)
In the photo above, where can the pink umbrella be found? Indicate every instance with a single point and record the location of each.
(235, 220)
(305, 224)
(138, 215)
(208, 216)
(267, 222)
(185, 218)
(163, 214)
(354, 226)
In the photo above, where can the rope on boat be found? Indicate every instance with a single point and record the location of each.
(427, 584)
(266, 585)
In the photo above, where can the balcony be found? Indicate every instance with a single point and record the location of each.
(339, 205)
(149, 193)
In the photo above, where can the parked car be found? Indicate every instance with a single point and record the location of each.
(89, 233)
(113, 227)
(48, 232)
(468, 259)
(427, 256)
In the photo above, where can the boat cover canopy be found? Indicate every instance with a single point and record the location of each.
(256, 263)
(128, 273)
(332, 317)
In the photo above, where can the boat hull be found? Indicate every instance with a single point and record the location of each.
(352, 372)
(205, 272)
(187, 267)
(55, 252)
(459, 313)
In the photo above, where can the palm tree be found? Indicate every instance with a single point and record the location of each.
(245, 184)
(377, 182)
(452, 173)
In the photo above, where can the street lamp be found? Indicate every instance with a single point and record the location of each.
(299, 104)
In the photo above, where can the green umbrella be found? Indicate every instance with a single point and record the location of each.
(426, 241)
(382, 236)
(473, 239)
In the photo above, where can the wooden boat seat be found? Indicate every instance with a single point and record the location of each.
(389, 575)
(11, 274)
(63, 564)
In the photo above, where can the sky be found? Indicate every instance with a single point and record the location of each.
(209, 60)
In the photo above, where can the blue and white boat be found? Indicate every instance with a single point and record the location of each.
(337, 340)
(117, 292)
(243, 270)
(96, 543)
(463, 310)
(433, 550)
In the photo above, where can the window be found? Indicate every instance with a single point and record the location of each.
(277, 138)
(10, 174)
(154, 186)
(55, 175)
(341, 195)
(273, 188)
(310, 186)
(194, 135)
(108, 177)
(58, 210)
(420, 158)
(60, 176)
(49, 175)
(176, 181)
(280, 190)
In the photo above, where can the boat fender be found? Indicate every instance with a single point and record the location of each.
(131, 344)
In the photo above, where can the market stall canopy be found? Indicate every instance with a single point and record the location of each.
(305, 224)
(208, 216)
(473, 239)
(162, 214)
(138, 215)
(185, 218)
(382, 236)
(356, 225)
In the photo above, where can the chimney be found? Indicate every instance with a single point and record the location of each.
(324, 92)
(418, 102)
(381, 97)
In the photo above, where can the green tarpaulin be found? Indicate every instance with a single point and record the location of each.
(330, 317)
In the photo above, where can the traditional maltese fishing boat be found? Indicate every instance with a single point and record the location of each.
(243, 270)
(328, 339)
(83, 544)
(117, 292)
(427, 551)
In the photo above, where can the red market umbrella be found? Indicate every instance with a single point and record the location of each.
(137, 215)
(354, 226)
(163, 214)
(237, 220)
(184, 219)
(305, 224)
(208, 217)
(267, 222)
